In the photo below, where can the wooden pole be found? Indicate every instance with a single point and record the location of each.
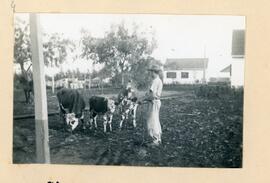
(204, 60)
(53, 83)
(52, 77)
(41, 114)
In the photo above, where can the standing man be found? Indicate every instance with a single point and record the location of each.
(154, 103)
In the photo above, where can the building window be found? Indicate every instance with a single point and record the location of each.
(171, 74)
(184, 74)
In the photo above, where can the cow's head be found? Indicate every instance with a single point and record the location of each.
(120, 98)
(124, 95)
(71, 120)
(129, 93)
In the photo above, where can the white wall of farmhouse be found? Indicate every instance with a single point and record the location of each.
(237, 78)
(193, 76)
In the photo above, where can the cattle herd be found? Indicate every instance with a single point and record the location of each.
(73, 108)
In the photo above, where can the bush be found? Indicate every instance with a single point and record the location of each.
(219, 91)
(181, 87)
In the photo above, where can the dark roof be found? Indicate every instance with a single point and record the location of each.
(238, 43)
(186, 63)
(227, 69)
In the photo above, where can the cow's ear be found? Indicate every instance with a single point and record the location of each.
(62, 109)
(113, 98)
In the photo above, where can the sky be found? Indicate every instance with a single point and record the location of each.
(177, 36)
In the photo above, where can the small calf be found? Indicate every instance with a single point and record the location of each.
(128, 107)
(128, 104)
(101, 106)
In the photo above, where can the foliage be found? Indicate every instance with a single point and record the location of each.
(139, 73)
(119, 50)
(56, 49)
(219, 91)
(22, 52)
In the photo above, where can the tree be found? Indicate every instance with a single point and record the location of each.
(118, 50)
(139, 73)
(103, 74)
(55, 48)
(22, 55)
(55, 51)
(22, 50)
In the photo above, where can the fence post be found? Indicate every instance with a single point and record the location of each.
(41, 114)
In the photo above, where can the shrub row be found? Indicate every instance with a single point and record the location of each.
(219, 91)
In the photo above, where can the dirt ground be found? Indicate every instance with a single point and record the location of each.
(197, 132)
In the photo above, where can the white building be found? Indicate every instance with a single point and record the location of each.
(185, 70)
(236, 69)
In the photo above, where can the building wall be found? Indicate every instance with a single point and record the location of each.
(224, 75)
(194, 76)
(49, 83)
(237, 78)
(75, 84)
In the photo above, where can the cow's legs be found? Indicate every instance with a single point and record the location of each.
(134, 115)
(61, 117)
(127, 113)
(26, 96)
(95, 121)
(110, 121)
(82, 122)
(63, 120)
(105, 122)
(31, 97)
(91, 122)
(93, 117)
(123, 116)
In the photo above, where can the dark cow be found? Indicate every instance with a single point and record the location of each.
(72, 107)
(128, 104)
(28, 88)
(101, 106)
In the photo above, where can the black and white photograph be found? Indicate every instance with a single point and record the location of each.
(147, 90)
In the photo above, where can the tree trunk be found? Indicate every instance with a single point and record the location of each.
(89, 81)
(52, 79)
(122, 74)
(53, 83)
(102, 87)
(122, 78)
(22, 69)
